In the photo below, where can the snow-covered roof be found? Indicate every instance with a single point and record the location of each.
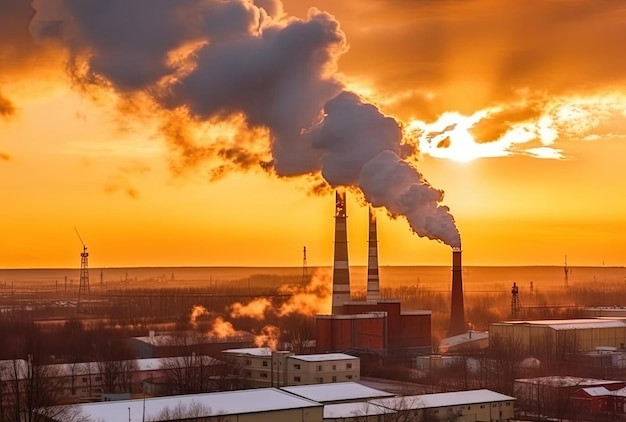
(321, 357)
(335, 392)
(252, 351)
(351, 410)
(572, 324)
(442, 399)
(464, 338)
(596, 391)
(566, 381)
(208, 404)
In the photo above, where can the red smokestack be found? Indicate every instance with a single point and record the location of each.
(457, 311)
(341, 269)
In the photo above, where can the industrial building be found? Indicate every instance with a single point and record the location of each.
(556, 339)
(158, 345)
(264, 404)
(337, 393)
(276, 405)
(263, 367)
(374, 327)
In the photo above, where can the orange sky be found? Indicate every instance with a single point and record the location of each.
(516, 110)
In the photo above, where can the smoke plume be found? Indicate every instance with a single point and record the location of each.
(6, 107)
(268, 337)
(216, 60)
(309, 300)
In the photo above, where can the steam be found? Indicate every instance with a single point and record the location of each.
(196, 312)
(268, 337)
(309, 300)
(216, 60)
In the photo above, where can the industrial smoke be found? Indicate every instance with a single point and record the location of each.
(210, 61)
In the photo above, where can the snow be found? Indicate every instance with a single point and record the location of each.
(351, 410)
(226, 403)
(443, 399)
(571, 324)
(252, 351)
(596, 391)
(324, 357)
(566, 381)
(335, 392)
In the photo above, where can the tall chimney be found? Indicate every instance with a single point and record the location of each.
(457, 308)
(373, 281)
(341, 269)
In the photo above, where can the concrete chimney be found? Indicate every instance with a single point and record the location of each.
(457, 308)
(373, 280)
(341, 269)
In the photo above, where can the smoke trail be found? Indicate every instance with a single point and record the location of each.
(196, 312)
(216, 60)
(255, 309)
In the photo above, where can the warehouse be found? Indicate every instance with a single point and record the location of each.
(557, 338)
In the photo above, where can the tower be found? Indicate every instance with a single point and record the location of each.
(341, 269)
(515, 305)
(457, 311)
(566, 271)
(304, 268)
(373, 280)
(83, 288)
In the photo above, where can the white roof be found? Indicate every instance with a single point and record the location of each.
(225, 403)
(252, 351)
(351, 410)
(442, 399)
(323, 357)
(335, 392)
(570, 324)
(596, 391)
(566, 381)
(463, 338)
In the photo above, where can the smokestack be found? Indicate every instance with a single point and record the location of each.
(373, 281)
(341, 269)
(457, 311)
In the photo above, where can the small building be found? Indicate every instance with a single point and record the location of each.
(257, 405)
(158, 345)
(263, 367)
(473, 405)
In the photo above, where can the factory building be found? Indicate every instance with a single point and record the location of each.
(556, 339)
(374, 327)
(263, 367)
(276, 405)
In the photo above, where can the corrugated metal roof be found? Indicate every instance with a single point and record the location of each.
(566, 381)
(352, 410)
(323, 357)
(572, 324)
(252, 351)
(442, 399)
(596, 391)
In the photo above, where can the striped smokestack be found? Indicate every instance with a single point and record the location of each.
(373, 281)
(457, 308)
(341, 269)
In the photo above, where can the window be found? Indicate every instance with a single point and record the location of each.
(508, 404)
(334, 367)
(264, 363)
(334, 379)
(469, 407)
(296, 379)
(319, 380)
(349, 377)
(318, 368)
(263, 374)
(296, 366)
(248, 362)
(493, 405)
(84, 379)
(98, 378)
(482, 406)
(349, 365)
(247, 373)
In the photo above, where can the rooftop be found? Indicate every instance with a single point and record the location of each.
(566, 381)
(442, 399)
(336, 392)
(321, 357)
(569, 324)
(207, 404)
(252, 351)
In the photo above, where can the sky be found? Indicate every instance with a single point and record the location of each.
(213, 133)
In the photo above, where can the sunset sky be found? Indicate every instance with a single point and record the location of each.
(212, 133)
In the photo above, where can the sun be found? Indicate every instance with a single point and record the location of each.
(449, 137)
